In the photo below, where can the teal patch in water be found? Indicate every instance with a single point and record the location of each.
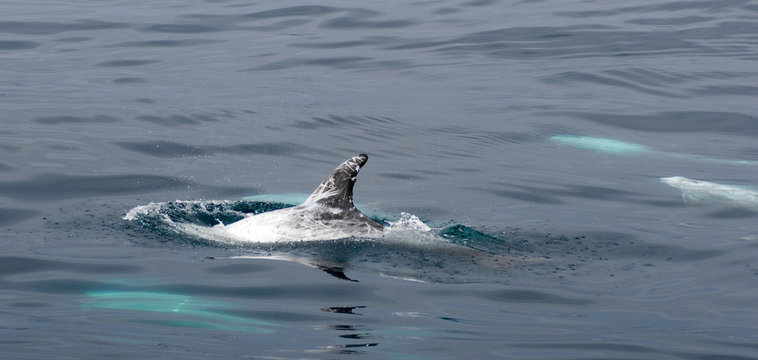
(469, 237)
(180, 310)
(618, 147)
(287, 198)
(601, 145)
(460, 234)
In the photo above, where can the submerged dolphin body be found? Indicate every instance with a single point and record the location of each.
(695, 191)
(328, 213)
(623, 148)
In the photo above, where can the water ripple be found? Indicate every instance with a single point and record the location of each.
(51, 28)
(347, 23)
(336, 63)
(47, 187)
(166, 43)
(169, 149)
(684, 20)
(479, 137)
(129, 80)
(14, 265)
(579, 77)
(177, 120)
(126, 62)
(10, 216)
(706, 6)
(301, 10)
(208, 23)
(678, 121)
(366, 41)
(68, 119)
(18, 45)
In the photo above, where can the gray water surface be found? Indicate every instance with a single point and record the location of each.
(106, 106)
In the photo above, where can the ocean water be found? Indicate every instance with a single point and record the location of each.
(532, 137)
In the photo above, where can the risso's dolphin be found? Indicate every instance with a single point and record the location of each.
(618, 147)
(328, 213)
(696, 191)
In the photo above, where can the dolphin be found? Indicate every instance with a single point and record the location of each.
(618, 147)
(695, 191)
(328, 213)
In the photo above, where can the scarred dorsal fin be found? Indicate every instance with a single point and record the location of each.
(337, 189)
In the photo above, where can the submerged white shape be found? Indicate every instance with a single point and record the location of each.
(695, 191)
(618, 147)
(177, 310)
(603, 145)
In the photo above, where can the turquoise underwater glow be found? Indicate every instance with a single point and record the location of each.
(602, 145)
(618, 147)
(177, 310)
(286, 198)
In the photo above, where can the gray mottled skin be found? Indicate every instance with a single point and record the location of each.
(336, 191)
(327, 214)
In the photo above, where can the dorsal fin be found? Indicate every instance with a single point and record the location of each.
(337, 189)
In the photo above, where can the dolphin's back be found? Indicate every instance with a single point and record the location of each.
(328, 213)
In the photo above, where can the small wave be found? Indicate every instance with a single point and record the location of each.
(408, 222)
(409, 229)
(195, 220)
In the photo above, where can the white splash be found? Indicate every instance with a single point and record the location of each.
(295, 224)
(153, 208)
(142, 211)
(409, 229)
(408, 222)
(696, 191)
